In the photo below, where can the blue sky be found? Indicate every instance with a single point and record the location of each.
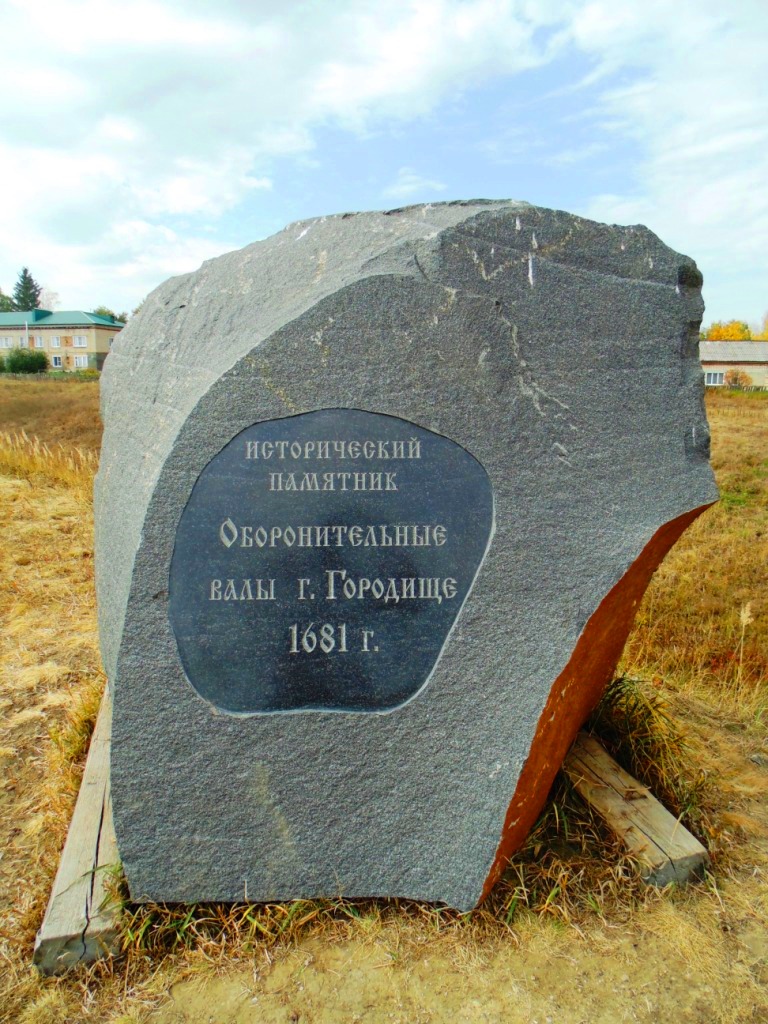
(139, 138)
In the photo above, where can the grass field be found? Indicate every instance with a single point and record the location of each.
(56, 411)
(570, 935)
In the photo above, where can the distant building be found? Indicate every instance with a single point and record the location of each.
(718, 357)
(72, 340)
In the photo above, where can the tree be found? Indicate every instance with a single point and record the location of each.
(49, 299)
(26, 293)
(762, 333)
(736, 378)
(24, 360)
(107, 312)
(732, 330)
(6, 302)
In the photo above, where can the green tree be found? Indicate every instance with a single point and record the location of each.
(106, 311)
(26, 293)
(24, 360)
(6, 302)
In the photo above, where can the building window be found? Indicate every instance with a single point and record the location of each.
(56, 341)
(22, 341)
(81, 341)
(81, 362)
(56, 362)
(6, 342)
(712, 378)
(38, 341)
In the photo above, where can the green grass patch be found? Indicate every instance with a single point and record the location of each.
(732, 500)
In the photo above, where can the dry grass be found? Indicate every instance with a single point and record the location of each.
(635, 724)
(571, 866)
(687, 725)
(55, 411)
(50, 679)
(34, 460)
(703, 624)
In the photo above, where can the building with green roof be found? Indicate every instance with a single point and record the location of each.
(72, 339)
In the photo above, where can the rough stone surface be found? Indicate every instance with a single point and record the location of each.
(563, 355)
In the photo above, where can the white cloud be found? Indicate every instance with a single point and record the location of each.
(198, 186)
(402, 65)
(409, 184)
(152, 111)
(698, 111)
(577, 154)
(119, 129)
(144, 122)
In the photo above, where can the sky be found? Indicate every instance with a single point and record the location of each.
(141, 137)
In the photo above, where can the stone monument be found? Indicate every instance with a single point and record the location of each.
(378, 499)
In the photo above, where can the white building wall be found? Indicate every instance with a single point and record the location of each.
(758, 372)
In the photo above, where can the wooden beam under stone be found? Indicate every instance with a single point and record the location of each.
(80, 923)
(664, 849)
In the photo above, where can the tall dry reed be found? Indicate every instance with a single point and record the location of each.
(33, 459)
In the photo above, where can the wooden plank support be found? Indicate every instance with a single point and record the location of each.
(664, 849)
(80, 923)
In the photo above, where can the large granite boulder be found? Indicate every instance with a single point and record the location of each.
(377, 502)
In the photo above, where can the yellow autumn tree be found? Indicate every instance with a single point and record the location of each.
(736, 378)
(732, 330)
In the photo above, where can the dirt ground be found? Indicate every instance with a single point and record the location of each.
(698, 954)
(637, 975)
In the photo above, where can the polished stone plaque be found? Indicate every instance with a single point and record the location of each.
(322, 560)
